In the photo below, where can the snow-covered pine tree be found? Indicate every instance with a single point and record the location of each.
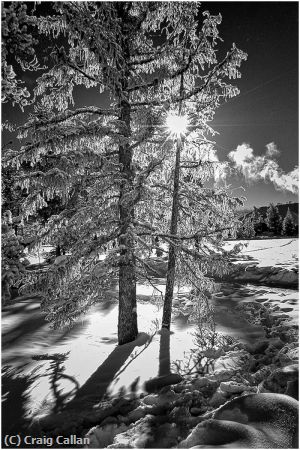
(247, 230)
(205, 214)
(288, 224)
(258, 222)
(273, 219)
(189, 206)
(104, 157)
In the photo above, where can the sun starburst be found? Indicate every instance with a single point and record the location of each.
(177, 124)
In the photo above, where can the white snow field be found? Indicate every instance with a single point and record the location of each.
(269, 252)
(90, 346)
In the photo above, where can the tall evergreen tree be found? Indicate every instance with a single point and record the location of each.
(104, 158)
(288, 224)
(273, 219)
(258, 222)
(246, 229)
(197, 165)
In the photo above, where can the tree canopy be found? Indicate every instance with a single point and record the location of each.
(111, 163)
(289, 227)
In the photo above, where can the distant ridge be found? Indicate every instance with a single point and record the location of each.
(282, 208)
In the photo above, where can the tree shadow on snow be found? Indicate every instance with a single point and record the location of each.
(164, 353)
(95, 388)
(56, 375)
(15, 393)
(165, 376)
(25, 328)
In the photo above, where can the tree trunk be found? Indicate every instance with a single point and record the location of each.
(127, 323)
(167, 310)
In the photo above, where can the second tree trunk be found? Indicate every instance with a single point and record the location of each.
(167, 310)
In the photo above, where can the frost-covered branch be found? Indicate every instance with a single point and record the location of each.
(66, 115)
(199, 234)
(208, 78)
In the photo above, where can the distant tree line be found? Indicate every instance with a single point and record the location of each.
(270, 224)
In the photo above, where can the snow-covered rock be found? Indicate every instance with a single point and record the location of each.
(155, 384)
(145, 433)
(151, 399)
(261, 374)
(218, 398)
(289, 354)
(206, 386)
(195, 411)
(102, 436)
(137, 413)
(178, 388)
(281, 380)
(201, 382)
(138, 435)
(227, 366)
(180, 415)
(269, 275)
(250, 421)
(231, 387)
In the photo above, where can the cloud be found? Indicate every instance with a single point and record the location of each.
(264, 167)
(272, 150)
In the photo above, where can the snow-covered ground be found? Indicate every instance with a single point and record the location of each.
(91, 346)
(269, 252)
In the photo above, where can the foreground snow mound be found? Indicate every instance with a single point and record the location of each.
(250, 421)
